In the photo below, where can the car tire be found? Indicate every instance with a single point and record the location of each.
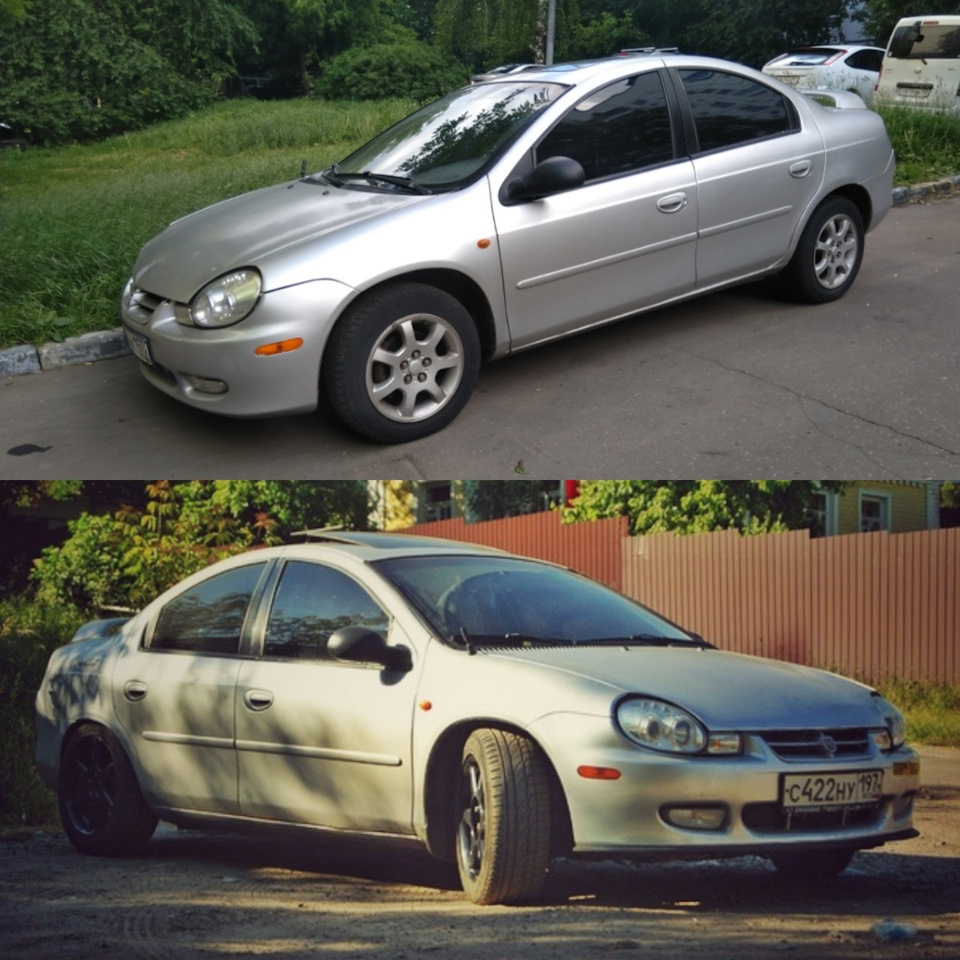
(101, 807)
(828, 256)
(502, 818)
(402, 362)
(814, 864)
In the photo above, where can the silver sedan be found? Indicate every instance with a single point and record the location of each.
(503, 216)
(498, 710)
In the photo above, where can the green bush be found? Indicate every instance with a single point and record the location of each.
(29, 632)
(407, 69)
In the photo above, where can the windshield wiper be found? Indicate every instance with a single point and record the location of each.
(648, 640)
(471, 641)
(337, 177)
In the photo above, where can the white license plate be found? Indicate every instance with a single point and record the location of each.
(139, 346)
(819, 791)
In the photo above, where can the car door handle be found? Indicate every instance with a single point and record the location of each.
(135, 690)
(800, 169)
(673, 203)
(258, 699)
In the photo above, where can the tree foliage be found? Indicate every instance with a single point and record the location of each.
(698, 506)
(127, 558)
(879, 17)
(492, 499)
(79, 69)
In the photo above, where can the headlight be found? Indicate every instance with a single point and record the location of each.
(661, 726)
(895, 723)
(226, 300)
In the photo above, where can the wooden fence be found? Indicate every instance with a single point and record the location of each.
(872, 605)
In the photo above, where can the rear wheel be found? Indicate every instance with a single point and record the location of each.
(102, 809)
(402, 362)
(503, 818)
(813, 864)
(828, 256)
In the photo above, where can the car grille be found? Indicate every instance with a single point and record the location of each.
(772, 818)
(141, 305)
(842, 744)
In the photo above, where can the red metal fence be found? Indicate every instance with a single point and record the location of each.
(872, 605)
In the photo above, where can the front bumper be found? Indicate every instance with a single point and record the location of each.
(629, 816)
(218, 370)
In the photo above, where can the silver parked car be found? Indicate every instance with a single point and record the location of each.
(503, 216)
(499, 710)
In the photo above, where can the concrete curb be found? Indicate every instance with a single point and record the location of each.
(107, 344)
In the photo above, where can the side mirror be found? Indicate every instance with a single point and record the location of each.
(553, 175)
(362, 645)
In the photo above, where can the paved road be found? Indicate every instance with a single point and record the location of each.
(739, 384)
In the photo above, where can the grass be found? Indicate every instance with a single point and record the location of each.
(932, 710)
(72, 219)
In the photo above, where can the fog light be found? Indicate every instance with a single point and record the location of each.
(696, 818)
(206, 385)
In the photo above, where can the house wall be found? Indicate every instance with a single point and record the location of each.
(908, 505)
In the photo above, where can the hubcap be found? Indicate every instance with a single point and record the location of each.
(415, 368)
(91, 793)
(472, 832)
(836, 252)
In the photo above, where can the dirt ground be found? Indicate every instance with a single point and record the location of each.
(198, 896)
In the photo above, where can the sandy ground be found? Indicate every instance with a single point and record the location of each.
(198, 896)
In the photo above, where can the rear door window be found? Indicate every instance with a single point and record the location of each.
(729, 110)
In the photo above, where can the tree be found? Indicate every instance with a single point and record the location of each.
(879, 17)
(492, 499)
(697, 506)
(126, 558)
(83, 69)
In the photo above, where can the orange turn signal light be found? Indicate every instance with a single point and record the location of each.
(598, 773)
(281, 346)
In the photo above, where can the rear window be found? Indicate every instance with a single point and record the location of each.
(925, 41)
(805, 58)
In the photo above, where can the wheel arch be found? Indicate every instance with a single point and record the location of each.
(459, 286)
(440, 780)
(859, 197)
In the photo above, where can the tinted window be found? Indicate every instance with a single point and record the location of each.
(623, 127)
(866, 60)
(729, 110)
(491, 599)
(312, 601)
(208, 618)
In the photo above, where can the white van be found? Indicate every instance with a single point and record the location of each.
(921, 67)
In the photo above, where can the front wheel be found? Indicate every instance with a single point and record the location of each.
(503, 818)
(101, 807)
(828, 256)
(402, 362)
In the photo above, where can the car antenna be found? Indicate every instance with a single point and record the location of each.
(303, 168)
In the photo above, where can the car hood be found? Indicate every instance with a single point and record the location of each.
(725, 690)
(243, 231)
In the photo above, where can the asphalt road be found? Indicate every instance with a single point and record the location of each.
(738, 384)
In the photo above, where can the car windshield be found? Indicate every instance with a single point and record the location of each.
(450, 142)
(479, 601)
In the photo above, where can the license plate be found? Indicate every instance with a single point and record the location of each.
(821, 791)
(139, 346)
(790, 78)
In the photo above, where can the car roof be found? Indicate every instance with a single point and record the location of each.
(372, 545)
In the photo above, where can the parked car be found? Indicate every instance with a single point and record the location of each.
(499, 710)
(921, 68)
(846, 67)
(503, 216)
